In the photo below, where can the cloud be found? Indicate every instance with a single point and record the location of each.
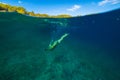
(20, 2)
(104, 2)
(3, 3)
(74, 8)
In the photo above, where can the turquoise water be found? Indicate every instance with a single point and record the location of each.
(91, 51)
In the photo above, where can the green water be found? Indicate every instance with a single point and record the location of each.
(23, 41)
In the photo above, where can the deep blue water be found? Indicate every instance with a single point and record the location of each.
(102, 29)
(91, 51)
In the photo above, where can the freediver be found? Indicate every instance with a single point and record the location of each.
(53, 45)
(59, 26)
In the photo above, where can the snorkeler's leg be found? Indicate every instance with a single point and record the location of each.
(62, 37)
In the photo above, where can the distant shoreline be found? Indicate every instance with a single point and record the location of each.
(22, 10)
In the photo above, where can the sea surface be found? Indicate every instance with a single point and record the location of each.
(91, 51)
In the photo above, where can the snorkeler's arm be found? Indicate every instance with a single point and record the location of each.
(53, 45)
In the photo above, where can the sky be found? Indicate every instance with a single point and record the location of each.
(72, 7)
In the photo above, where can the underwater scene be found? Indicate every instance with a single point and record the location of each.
(77, 48)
